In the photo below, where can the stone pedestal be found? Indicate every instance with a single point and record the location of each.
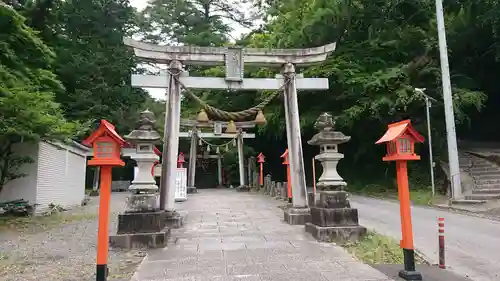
(297, 216)
(333, 220)
(192, 189)
(174, 219)
(141, 230)
(243, 188)
(142, 202)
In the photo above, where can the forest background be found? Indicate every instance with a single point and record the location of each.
(63, 67)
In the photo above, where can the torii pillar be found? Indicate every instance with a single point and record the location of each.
(234, 58)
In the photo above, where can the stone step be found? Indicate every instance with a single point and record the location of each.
(487, 186)
(472, 160)
(487, 191)
(485, 173)
(482, 184)
(482, 165)
(467, 202)
(485, 170)
(486, 177)
(476, 167)
(482, 196)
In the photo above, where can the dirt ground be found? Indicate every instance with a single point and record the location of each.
(62, 247)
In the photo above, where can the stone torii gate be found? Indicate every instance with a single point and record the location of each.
(234, 59)
(218, 127)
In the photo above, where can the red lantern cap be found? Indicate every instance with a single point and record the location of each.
(285, 157)
(400, 138)
(260, 158)
(181, 159)
(105, 134)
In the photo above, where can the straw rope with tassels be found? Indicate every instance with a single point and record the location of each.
(222, 115)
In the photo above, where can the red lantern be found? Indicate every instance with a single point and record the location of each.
(180, 160)
(400, 140)
(289, 183)
(107, 145)
(260, 160)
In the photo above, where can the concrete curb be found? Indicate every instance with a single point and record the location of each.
(465, 212)
(437, 207)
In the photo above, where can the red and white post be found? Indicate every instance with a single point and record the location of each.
(441, 243)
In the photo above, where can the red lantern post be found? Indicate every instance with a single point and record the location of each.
(289, 183)
(180, 160)
(400, 139)
(107, 145)
(260, 160)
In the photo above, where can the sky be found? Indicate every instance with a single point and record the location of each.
(160, 93)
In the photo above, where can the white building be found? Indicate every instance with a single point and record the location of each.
(57, 175)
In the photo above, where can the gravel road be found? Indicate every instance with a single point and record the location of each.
(472, 243)
(65, 252)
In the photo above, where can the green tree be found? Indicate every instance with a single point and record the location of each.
(192, 22)
(28, 111)
(94, 64)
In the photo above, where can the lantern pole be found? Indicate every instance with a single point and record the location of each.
(261, 174)
(260, 159)
(409, 272)
(103, 225)
(288, 177)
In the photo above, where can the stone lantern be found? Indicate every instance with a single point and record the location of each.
(142, 225)
(332, 216)
(143, 187)
(328, 141)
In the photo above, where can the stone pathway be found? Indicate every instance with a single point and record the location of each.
(240, 236)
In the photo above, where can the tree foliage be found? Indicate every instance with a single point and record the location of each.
(192, 22)
(72, 54)
(28, 111)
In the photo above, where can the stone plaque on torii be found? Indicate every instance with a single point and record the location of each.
(234, 59)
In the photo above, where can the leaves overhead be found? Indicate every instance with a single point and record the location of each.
(70, 64)
(27, 89)
(192, 22)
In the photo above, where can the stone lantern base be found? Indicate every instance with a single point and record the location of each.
(141, 230)
(142, 225)
(243, 188)
(333, 219)
(297, 216)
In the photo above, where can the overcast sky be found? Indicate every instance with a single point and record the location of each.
(160, 93)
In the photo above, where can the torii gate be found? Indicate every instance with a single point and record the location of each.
(218, 127)
(233, 58)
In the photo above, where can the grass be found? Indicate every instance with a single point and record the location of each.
(375, 248)
(419, 196)
(35, 223)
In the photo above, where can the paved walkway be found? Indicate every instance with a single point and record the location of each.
(472, 243)
(240, 236)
